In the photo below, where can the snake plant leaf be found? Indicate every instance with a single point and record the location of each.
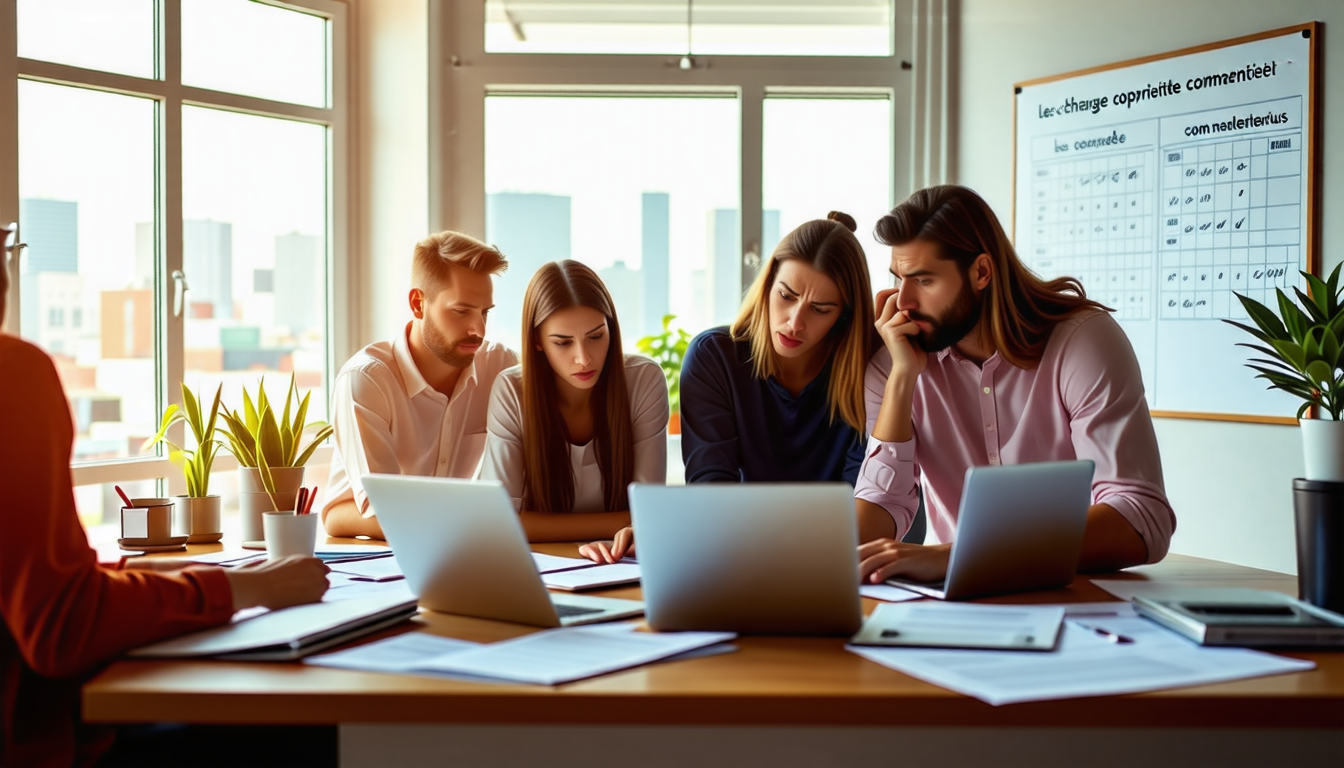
(193, 411)
(1262, 317)
(299, 415)
(264, 469)
(322, 434)
(170, 416)
(268, 437)
(249, 412)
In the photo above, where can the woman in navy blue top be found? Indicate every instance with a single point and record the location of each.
(778, 396)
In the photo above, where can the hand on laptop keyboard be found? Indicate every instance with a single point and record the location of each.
(882, 559)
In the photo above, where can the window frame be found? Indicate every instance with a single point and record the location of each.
(462, 74)
(170, 96)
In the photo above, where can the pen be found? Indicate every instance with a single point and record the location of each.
(308, 503)
(299, 500)
(1114, 637)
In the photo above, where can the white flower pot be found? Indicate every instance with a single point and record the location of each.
(1323, 449)
(199, 517)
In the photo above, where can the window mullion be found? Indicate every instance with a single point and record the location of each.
(752, 97)
(169, 225)
(9, 145)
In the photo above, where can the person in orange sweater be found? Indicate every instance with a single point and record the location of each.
(64, 613)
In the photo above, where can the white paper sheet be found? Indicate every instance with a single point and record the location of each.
(963, 625)
(378, 569)
(553, 563)
(227, 557)
(396, 655)
(572, 653)
(591, 578)
(346, 587)
(1085, 664)
(887, 593)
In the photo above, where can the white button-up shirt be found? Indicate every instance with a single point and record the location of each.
(389, 420)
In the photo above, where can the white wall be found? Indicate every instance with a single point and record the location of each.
(391, 184)
(1230, 484)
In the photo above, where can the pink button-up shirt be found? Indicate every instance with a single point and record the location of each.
(1083, 401)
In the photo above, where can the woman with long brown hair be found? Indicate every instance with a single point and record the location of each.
(778, 396)
(578, 420)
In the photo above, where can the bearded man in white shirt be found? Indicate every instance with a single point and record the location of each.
(417, 405)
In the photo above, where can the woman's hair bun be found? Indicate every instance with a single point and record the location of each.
(843, 218)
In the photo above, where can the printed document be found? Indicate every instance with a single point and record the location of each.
(594, 577)
(935, 624)
(547, 658)
(562, 655)
(1088, 662)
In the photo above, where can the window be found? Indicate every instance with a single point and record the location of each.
(699, 133)
(629, 186)
(150, 195)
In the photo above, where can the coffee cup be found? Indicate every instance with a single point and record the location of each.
(148, 522)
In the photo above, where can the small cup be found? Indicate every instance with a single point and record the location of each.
(149, 523)
(289, 534)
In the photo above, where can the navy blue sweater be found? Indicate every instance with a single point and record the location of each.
(738, 428)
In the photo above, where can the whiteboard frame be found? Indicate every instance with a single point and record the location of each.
(1312, 128)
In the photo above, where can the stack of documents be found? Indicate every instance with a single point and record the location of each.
(549, 657)
(1105, 650)
(290, 633)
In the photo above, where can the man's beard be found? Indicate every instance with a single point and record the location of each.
(444, 349)
(957, 321)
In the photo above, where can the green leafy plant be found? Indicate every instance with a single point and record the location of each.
(196, 463)
(668, 349)
(1301, 348)
(260, 438)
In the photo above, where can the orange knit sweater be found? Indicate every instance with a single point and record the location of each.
(64, 613)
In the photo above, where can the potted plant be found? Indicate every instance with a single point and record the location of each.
(668, 349)
(196, 513)
(270, 453)
(1301, 354)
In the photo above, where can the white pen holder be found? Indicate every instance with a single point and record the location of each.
(289, 534)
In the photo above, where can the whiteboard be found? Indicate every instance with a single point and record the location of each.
(1164, 185)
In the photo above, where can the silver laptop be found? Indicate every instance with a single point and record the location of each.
(756, 557)
(1020, 529)
(463, 551)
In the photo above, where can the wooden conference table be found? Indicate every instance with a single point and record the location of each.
(776, 700)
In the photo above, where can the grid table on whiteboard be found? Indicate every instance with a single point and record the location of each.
(1231, 221)
(1092, 219)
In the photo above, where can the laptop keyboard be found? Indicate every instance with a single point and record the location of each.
(565, 611)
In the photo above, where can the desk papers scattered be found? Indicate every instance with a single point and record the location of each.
(549, 657)
(887, 593)
(289, 633)
(1085, 664)
(931, 624)
(594, 577)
